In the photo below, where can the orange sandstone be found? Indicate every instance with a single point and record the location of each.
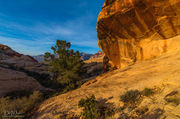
(136, 30)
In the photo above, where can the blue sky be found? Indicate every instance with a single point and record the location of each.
(32, 26)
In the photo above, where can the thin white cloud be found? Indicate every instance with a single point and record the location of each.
(52, 30)
(78, 31)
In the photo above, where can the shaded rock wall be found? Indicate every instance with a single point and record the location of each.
(135, 30)
(12, 80)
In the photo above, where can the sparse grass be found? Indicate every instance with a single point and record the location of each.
(154, 114)
(130, 96)
(173, 97)
(19, 106)
(141, 111)
(147, 92)
(174, 100)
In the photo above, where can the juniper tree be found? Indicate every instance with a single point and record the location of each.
(65, 64)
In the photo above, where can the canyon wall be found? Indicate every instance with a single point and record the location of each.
(134, 30)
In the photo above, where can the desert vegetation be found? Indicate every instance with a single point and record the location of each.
(94, 109)
(12, 107)
(65, 64)
(132, 99)
(173, 98)
(130, 96)
(148, 92)
(133, 96)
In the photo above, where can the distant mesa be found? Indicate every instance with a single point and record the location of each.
(84, 56)
(39, 58)
(97, 55)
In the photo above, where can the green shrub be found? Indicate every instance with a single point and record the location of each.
(89, 107)
(105, 110)
(130, 96)
(147, 92)
(93, 109)
(19, 105)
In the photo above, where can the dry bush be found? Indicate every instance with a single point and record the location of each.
(19, 105)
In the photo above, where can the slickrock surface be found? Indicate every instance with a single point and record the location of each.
(11, 80)
(136, 30)
(161, 73)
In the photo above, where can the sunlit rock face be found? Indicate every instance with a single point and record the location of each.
(9, 56)
(136, 30)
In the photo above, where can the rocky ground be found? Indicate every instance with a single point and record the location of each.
(160, 74)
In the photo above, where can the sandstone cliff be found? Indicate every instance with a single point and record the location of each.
(136, 30)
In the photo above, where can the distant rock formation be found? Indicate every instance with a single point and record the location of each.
(97, 57)
(136, 30)
(6, 51)
(9, 56)
(13, 68)
(39, 58)
(85, 56)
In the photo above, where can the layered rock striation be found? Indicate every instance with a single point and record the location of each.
(12, 81)
(9, 56)
(135, 30)
(16, 72)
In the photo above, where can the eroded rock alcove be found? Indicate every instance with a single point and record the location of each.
(136, 30)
